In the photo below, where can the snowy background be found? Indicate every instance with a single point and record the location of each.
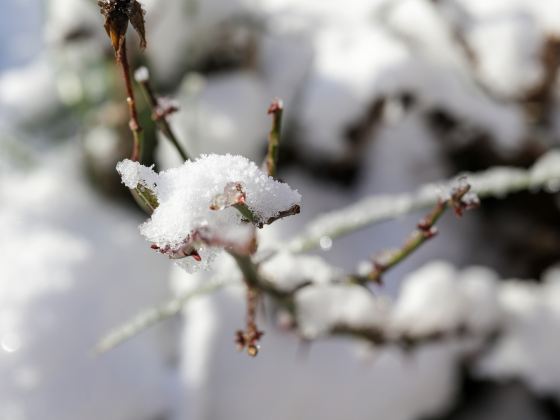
(381, 97)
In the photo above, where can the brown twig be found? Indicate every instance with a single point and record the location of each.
(118, 14)
(257, 286)
(406, 341)
(276, 109)
(292, 211)
(249, 338)
(425, 230)
(134, 123)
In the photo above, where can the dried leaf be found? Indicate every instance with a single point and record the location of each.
(117, 14)
(136, 16)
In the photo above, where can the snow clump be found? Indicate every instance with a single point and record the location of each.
(187, 194)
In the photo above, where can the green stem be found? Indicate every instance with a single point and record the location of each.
(245, 212)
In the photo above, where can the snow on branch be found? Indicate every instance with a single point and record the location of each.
(211, 203)
(320, 300)
(495, 182)
(436, 303)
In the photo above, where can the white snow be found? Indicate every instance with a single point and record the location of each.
(72, 269)
(142, 74)
(350, 70)
(67, 16)
(342, 371)
(439, 299)
(430, 301)
(29, 93)
(134, 174)
(185, 195)
(224, 114)
(528, 346)
(479, 290)
(288, 271)
(322, 307)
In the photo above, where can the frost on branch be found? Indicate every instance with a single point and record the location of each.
(205, 205)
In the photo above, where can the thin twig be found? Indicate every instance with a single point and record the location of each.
(159, 113)
(406, 341)
(276, 109)
(292, 211)
(496, 182)
(134, 123)
(249, 338)
(425, 230)
(256, 285)
(118, 14)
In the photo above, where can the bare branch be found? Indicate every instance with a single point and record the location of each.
(425, 231)
(495, 182)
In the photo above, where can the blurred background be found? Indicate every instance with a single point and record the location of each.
(381, 96)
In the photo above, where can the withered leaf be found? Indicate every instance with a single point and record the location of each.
(136, 16)
(117, 14)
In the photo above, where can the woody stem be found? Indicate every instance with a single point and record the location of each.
(134, 124)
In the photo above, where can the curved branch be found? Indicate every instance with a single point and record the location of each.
(495, 182)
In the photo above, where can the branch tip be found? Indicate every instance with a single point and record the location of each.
(276, 109)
